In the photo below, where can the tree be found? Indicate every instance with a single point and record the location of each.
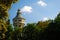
(3, 13)
(2, 29)
(43, 24)
(5, 5)
(52, 32)
(31, 32)
(16, 34)
(57, 19)
(9, 32)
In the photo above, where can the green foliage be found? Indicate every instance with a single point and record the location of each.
(7, 3)
(30, 32)
(16, 34)
(9, 32)
(4, 8)
(43, 24)
(3, 13)
(52, 32)
(57, 19)
(2, 29)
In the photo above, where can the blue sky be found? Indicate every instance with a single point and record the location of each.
(35, 10)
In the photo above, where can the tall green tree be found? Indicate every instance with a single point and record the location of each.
(16, 34)
(5, 6)
(9, 32)
(31, 32)
(52, 32)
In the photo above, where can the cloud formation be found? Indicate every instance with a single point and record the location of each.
(41, 3)
(45, 19)
(26, 9)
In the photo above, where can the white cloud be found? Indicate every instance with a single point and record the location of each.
(45, 19)
(41, 3)
(26, 9)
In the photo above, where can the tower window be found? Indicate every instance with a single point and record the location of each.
(19, 25)
(19, 20)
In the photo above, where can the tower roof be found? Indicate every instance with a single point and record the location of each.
(18, 15)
